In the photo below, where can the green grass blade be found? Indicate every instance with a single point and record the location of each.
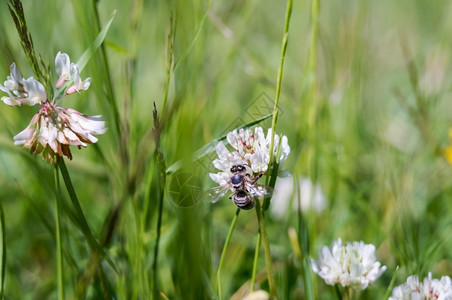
(198, 31)
(3, 257)
(391, 284)
(83, 60)
(280, 74)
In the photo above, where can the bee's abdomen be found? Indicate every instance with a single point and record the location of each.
(243, 200)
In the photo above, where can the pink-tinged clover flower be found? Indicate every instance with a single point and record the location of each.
(429, 289)
(54, 128)
(79, 84)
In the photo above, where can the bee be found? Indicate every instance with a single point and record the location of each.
(244, 187)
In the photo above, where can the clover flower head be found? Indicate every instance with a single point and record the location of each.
(251, 148)
(20, 91)
(429, 289)
(352, 265)
(54, 128)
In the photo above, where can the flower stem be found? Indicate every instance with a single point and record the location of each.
(58, 236)
(268, 258)
(338, 292)
(80, 216)
(279, 77)
(256, 258)
(223, 252)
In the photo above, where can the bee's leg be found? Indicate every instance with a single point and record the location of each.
(257, 178)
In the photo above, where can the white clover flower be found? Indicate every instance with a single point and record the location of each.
(36, 92)
(251, 149)
(15, 80)
(20, 91)
(54, 128)
(352, 265)
(429, 289)
(311, 196)
(63, 68)
(79, 84)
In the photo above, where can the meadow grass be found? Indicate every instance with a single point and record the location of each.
(361, 90)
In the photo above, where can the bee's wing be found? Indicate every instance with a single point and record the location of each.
(217, 193)
(258, 190)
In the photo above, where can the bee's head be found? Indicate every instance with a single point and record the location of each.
(238, 168)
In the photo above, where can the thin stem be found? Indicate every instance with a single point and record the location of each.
(159, 221)
(158, 153)
(59, 236)
(170, 54)
(256, 258)
(311, 77)
(80, 216)
(279, 77)
(223, 252)
(338, 292)
(268, 258)
(3, 251)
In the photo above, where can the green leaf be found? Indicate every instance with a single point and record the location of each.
(198, 31)
(83, 60)
(391, 284)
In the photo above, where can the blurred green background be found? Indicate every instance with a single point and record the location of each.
(370, 133)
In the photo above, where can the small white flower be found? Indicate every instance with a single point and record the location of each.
(251, 148)
(36, 92)
(14, 87)
(352, 265)
(79, 84)
(15, 80)
(429, 289)
(63, 68)
(311, 197)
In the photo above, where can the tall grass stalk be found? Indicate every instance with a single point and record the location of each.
(311, 79)
(260, 209)
(159, 157)
(304, 246)
(266, 245)
(223, 252)
(60, 270)
(3, 252)
(280, 74)
(161, 196)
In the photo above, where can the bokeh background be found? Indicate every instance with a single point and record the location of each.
(367, 122)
